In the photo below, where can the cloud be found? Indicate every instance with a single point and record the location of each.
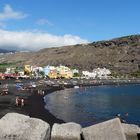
(35, 40)
(9, 13)
(44, 21)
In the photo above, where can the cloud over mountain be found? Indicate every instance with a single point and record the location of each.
(35, 40)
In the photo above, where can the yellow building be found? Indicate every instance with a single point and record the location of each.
(53, 74)
(27, 69)
(65, 72)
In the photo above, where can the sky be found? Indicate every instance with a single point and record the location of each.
(37, 24)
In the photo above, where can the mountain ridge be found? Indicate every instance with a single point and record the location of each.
(6, 51)
(120, 55)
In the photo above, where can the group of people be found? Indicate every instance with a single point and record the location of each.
(123, 120)
(4, 90)
(20, 101)
(40, 92)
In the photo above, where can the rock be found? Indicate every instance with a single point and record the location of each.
(14, 126)
(67, 131)
(131, 131)
(109, 130)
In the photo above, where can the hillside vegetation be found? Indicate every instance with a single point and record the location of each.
(121, 55)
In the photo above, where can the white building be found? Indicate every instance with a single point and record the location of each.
(97, 73)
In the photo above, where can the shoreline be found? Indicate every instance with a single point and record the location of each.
(35, 103)
(36, 108)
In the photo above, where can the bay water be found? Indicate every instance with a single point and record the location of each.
(91, 105)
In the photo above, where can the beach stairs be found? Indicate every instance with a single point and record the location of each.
(14, 126)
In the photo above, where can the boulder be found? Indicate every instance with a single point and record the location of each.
(131, 131)
(67, 131)
(14, 126)
(108, 130)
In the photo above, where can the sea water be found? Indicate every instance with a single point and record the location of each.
(91, 105)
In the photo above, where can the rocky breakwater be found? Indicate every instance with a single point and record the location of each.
(14, 126)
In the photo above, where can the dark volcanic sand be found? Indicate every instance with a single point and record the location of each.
(35, 108)
(34, 103)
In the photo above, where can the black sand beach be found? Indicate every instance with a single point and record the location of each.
(35, 108)
(34, 103)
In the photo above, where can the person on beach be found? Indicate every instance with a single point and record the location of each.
(43, 92)
(126, 114)
(17, 101)
(121, 120)
(22, 102)
(38, 91)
